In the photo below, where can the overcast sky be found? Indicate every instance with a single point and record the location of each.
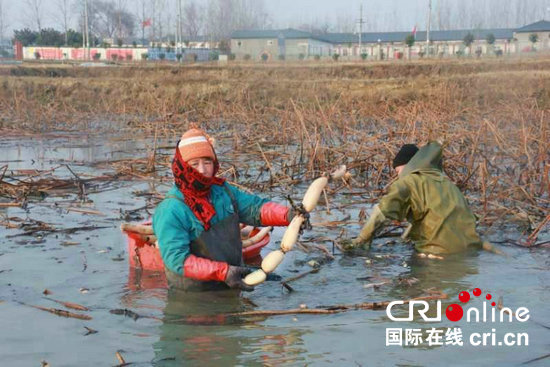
(381, 15)
(284, 13)
(293, 11)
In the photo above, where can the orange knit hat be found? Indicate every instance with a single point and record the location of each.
(195, 143)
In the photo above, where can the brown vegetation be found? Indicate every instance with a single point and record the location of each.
(492, 115)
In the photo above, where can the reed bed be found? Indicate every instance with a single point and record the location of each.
(299, 120)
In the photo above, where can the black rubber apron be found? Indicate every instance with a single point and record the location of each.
(222, 242)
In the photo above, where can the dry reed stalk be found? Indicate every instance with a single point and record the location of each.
(335, 308)
(61, 313)
(74, 306)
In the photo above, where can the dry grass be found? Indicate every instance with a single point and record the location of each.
(493, 115)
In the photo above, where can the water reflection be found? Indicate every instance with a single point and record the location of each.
(145, 279)
(428, 276)
(198, 329)
(44, 153)
(446, 275)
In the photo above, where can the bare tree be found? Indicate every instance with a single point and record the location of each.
(106, 21)
(248, 14)
(444, 15)
(346, 23)
(222, 17)
(143, 17)
(475, 15)
(372, 22)
(470, 14)
(192, 20)
(159, 7)
(35, 12)
(119, 13)
(153, 14)
(395, 21)
(3, 23)
(316, 26)
(62, 15)
(221, 12)
(169, 26)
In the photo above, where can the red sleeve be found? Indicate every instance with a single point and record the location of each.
(273, 214)
(204, 269)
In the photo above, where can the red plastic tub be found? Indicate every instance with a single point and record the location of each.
(147, 257)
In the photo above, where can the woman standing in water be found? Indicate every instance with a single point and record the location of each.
(197, 224)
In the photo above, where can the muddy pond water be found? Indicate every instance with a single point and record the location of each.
(90, 267)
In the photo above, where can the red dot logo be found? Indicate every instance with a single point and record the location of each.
(493, 304)
(477, 292)
(464, 297)
(488, 297)
(454, 312)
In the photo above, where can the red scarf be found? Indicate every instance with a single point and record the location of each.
(196, 188)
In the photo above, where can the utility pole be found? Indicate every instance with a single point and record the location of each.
(119, 21)
(428, 27)
(87, 29)
(177, 25)
(83, 32)
(361, 22)
(439, 26)
(142, 22)
(179, 32)
(2, 24)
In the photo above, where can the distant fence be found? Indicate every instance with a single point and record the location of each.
(202, 54)
(71, 53)
(114, 54)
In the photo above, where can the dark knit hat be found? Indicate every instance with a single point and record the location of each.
(404, 155)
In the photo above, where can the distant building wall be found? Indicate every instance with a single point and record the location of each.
(542, 44)
(255, 48)
(394, 50)
(297, 47)
(294, 43)
(273, 47)
(350, 51)
(319, 48)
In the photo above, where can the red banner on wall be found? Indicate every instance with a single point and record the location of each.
(49, 53)
(80, 53)
(121, 54)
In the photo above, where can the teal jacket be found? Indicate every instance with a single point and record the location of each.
(176, 226)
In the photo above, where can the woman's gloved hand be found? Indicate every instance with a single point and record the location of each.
(234, 278)
(299, 210)
(368, 232)
(269, 277)
(348, 245)
(273, 214)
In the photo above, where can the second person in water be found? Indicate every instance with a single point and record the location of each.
(440, 218)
